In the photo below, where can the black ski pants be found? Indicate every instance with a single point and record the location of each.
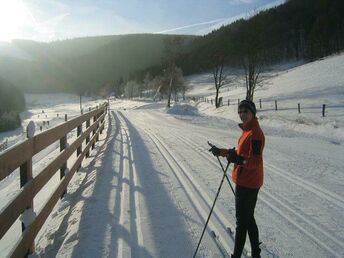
(245, 202)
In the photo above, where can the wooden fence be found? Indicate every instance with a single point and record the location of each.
(20, 156)
(3, 145)
(322, 107)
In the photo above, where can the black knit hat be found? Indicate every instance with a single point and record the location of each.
(249, 105)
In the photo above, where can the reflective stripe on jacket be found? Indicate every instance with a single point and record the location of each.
(250, 146)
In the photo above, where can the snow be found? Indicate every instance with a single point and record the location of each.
(27, 217)
(183, 109)
(148, 187)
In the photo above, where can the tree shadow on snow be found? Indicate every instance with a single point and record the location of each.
(167, 227)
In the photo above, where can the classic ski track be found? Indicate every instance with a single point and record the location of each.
(321, 192)
(183, 177)
(317, 190)
(124, 193)
(281, 213)
(125, 220)
(311, 187)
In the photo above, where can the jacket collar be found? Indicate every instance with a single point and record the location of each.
(250, 125)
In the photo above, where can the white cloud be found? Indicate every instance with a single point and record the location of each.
(237, 17)
(202, 30)
(242, 1)
(191, 25)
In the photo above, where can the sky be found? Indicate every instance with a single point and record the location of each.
(49, 20)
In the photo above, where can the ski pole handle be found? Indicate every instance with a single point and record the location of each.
(210, 144)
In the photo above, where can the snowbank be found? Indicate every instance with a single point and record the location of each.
(186, 109)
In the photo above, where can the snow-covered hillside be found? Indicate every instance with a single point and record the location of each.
(311, 85)
(150, 186)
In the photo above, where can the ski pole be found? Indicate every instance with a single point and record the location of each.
(223, 170)
(229, 182)
(212, 208)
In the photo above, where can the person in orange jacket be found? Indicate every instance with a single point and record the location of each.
(248, 176)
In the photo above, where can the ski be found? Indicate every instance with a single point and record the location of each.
(265, 252)
(247, 254)
(230, 232)
(219, 244)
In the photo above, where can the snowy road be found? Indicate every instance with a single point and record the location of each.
(150, 188)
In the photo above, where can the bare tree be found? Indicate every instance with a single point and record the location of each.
(105, 91)
(218, 75)
(252, 68)
(132, 89)
(178, 84)
(172, 48)
(248, 49)
(155, 85)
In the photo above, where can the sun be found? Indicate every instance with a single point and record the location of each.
(13, 17)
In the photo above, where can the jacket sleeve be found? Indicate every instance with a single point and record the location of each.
(223, 152)
(255, 155)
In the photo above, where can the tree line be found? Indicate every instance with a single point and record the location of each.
(143, 64)
(296, 30)
(164, 81)
(12, 102)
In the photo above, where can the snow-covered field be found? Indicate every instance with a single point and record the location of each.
(43, 108)
(149, 188)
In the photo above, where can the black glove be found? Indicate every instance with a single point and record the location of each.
(215, 150)
(233, 157)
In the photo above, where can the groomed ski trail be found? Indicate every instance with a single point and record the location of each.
(197, 196)
(311, 229)
(285, 209)
(154, 189)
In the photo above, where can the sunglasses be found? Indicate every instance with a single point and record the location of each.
(243, 111)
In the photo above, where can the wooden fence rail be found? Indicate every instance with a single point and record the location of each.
(322, 107)
(4, 145)
(20, 156)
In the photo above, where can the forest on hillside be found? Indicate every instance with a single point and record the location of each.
(296, 30)
(12, 102)
(83, 65)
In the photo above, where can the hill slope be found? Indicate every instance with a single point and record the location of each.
(82, 64)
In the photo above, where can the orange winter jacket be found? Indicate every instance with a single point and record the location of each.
(250, 146)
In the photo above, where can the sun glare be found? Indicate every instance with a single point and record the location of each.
(13, 17)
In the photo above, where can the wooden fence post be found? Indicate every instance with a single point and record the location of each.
(63, 144)
(26, 176)
(276, 105)
(78, 133)
(228, 102)
(298, 107)
(323, 110)
(97, 137)
(102, 128)
(94, 131)
(88, 137)
(260, 103)
(79, 149)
